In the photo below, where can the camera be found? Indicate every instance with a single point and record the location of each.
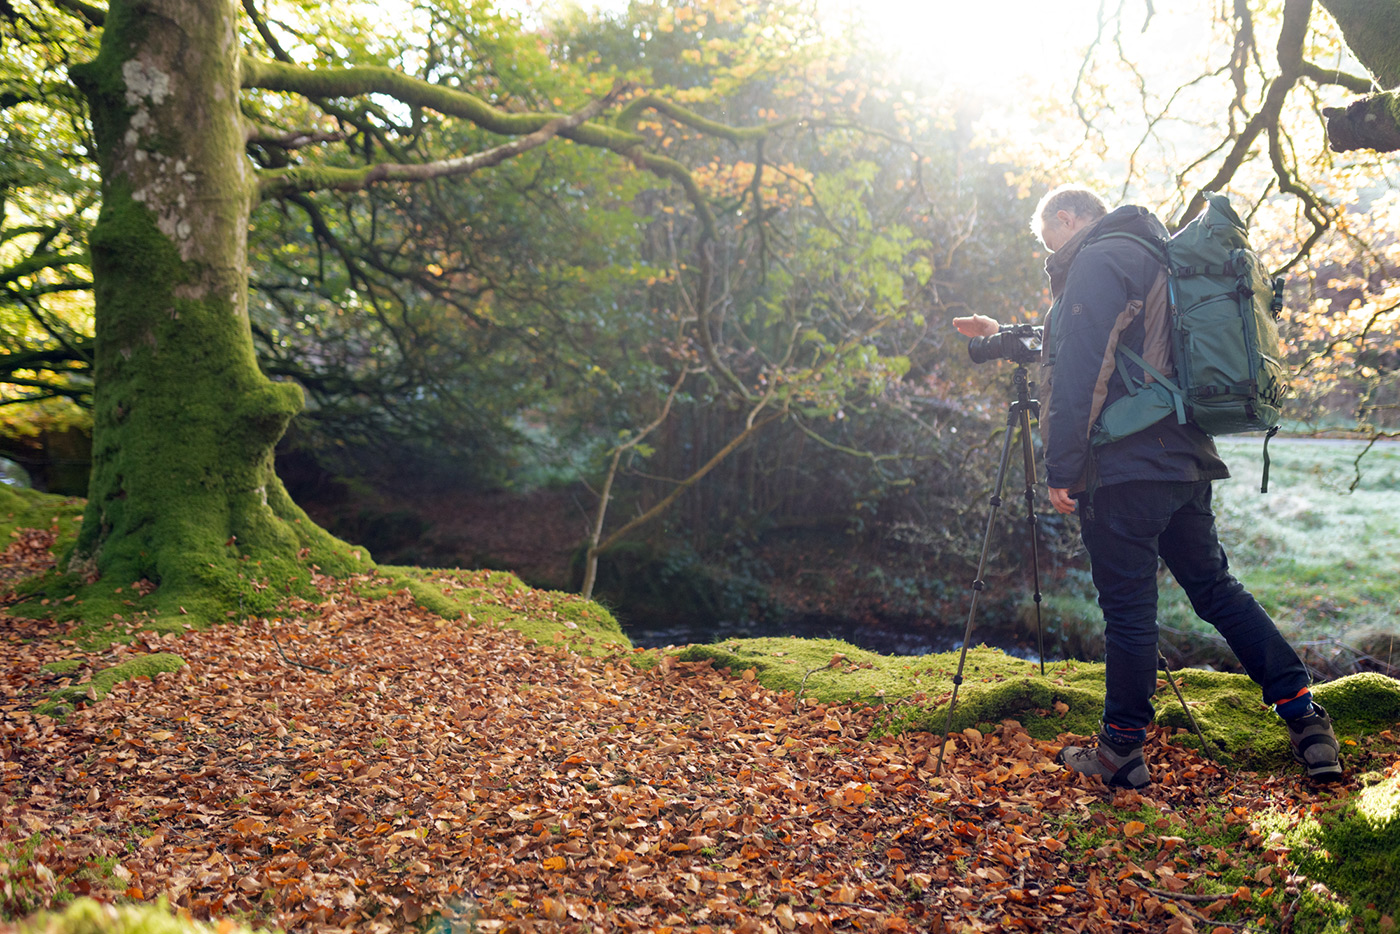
(1019, 343)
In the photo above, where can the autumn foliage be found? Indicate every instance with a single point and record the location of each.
(368, 766)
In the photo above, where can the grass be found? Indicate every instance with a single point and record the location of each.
(1319, 551)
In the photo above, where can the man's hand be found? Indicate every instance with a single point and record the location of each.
(976, 326)
(1060, 499)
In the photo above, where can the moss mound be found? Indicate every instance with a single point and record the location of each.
(62, 701)
(1355, 850)
(86, 916)
(500, 598)
(1067, 699)
(28, 509)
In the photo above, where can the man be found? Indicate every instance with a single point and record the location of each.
(1145, 496)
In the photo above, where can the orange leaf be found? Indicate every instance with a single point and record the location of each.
(1133, 827)
(556, 864)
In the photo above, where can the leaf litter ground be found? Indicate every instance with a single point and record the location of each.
(369, 766)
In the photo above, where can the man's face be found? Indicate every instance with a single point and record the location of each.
(1058, 229)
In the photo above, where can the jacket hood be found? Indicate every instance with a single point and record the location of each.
(1131, 219)
(1128, 219)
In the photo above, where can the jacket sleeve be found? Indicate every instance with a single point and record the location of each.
(1096, 291)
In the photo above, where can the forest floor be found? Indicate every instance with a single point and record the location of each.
(369, 766)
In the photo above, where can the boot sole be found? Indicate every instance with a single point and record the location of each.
(1323, 774)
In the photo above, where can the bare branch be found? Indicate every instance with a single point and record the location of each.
(260, 24)
(688, 482)
(1325, 76)
(1296, 14)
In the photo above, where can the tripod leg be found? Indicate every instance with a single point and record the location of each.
(1028, 454)
(978, 585)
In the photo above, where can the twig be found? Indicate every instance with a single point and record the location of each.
(277, 642)
(810, 671)
(1183, 896)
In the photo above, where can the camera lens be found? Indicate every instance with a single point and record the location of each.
(982, 349)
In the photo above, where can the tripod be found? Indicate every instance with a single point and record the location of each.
(1018, 415)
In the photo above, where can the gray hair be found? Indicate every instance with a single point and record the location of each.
(1081, 202)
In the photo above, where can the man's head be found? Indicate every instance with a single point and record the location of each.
(1063, 212)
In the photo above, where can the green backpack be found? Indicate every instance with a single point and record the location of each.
(1225, 348)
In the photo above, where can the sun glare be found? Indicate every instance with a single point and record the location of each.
(996, 47)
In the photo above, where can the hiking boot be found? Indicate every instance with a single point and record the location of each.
(1119, 766)
(1315, 746)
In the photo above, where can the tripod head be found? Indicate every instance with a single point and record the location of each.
(1021, 394)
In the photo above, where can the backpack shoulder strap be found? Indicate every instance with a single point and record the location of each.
(1153, 245)
(1159, 249)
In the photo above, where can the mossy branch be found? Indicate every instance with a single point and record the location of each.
(32, 264)
(287, 181)
(632, 113)
(1325, 76)
(1371, 29)
(357, 81)
(89, 14)
(1371, 123)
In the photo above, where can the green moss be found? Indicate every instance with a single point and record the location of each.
(499, 598)
(86, 916)
(28, 509)
(1068, 699)
(1354, 851)
(63, 666)
(62, 701)
(1364, 702)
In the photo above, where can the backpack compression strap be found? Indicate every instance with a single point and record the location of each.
(1134, 386)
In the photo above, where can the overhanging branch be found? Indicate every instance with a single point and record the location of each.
(287, 181)
(353, 82)
(1296, 14)
(1369, 123)
(91, 15)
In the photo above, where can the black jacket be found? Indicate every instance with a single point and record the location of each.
(1107, 286)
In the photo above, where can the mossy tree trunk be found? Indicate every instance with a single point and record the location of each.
(182, 485)
(183, 493)
(1371, 29)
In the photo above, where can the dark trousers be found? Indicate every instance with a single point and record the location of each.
(1133, 524)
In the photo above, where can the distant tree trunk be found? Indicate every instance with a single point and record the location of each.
(184, 422)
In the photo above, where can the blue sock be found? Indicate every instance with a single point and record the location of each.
(1119, 736)
(1299, 706)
